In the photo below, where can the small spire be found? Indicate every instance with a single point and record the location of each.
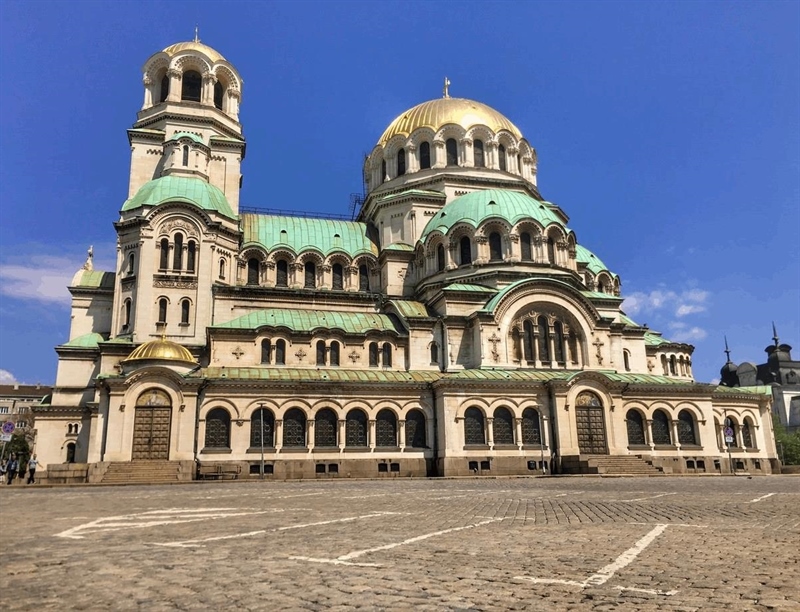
(163, 327)
(727, 350)
(775, 334)
(89, 264)
(196, 33)
(446, 90)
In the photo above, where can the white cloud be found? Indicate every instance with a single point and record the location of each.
(690, 334)
(687, 309)
(42, 278)
(684, 303)
(7, 378)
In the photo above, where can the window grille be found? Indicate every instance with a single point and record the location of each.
(356, 428)
(474, 432)
(415, 429)
(661, 433)
(294, 428)
(386, 428)
(268, 419)
(531, 433)
(325, 428)
(635, 428)
(218, 428)
(686, 433)
(503, 427)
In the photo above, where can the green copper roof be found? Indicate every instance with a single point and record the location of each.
(655, 339)
(756, 390)
(179, 135)
(373, 375)
(476, 207)
(592, 261)
(468, 287)
(310, 320)
(96, 279)
(410, 309)
(180, 189)
(398, 246)
(85, 341)
(299, 234)
(599, 295)
(492, 304)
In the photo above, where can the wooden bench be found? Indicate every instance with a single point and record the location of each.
(218, 472)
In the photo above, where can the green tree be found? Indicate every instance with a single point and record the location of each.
(18, 445)
(788, 445)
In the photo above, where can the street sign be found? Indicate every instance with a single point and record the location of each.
(8, 427)
(4, 437)
(728, 439)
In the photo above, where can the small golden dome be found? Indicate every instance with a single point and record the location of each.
(192, 45)
(162, 350)
(438, 113)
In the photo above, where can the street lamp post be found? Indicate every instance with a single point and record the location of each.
(261, 438)
(541, 444)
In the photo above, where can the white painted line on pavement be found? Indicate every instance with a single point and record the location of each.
(199, 543)
(645, 498)
(344, 559)
(651, 591)
(604, 574)
(758, 499)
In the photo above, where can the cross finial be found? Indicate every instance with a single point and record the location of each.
(727, 350)
(163, 326)
(446, 90)
(89, 265)
(196, 33)
(775, 334)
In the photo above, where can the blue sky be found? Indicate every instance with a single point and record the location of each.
(669, 132)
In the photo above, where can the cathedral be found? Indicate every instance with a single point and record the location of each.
(454, 325)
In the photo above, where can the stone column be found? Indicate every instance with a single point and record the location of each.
(233, 103)
(674, 427)
(296, 273)
(648, 434)
(514, 248)
(544, 435)
(310, 424)
(552, 343)
(148, 92)
(490, 154)
(342, 437)
(466, 155)
(412, 161)
(207, 94)
(438, 152)
(518, 431)
(401, 434)
(326, 277)
(482, 245)
(450, 257)
(490, 431)
(174, 85)
(278, 434)
(513, 166)
(371, 434)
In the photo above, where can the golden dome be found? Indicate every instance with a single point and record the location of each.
(192, 45)
(162, 350)
(438, 113)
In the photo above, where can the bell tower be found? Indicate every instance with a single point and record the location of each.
(189, 122)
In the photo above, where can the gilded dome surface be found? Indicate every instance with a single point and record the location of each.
(442, 111)
(162, 350)
(191, 45)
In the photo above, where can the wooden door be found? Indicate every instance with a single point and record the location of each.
(151, 432)
(591, 430)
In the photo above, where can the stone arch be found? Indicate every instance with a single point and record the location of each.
(217, 402)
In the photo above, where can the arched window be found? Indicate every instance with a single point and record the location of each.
(415, 429)
(311, 275)
(222, 269)
(531, 432)
(192, 84)
(163, 262)
(544, 341)
(635, 428)
(253, 269)
(528, 341)
(673, 369)
(185, 158)
(338, 276)
(401, 162)
(320, 352)
(661, 434)
(334, 353)
(664, 365)
(573, 346)
(480, 160)
(551, 251)
(185, 304)
(558, 343)
(262, 420)
(474, 432)
(177, 254)
(373, 354)
(686, 433)
(282, 273)
(626, 358)
(280, 352)
(451, 147)
(495, 247)
(191, 253)
(440, 258)
(356, 429)
(386, 428)
(164, 89)
(503, 427)
(266, 351)
(363, 278)
(501, 157)
(71, 452)
(131, 264)
(465, 250)
(387, 355)
(526, 246)
(326, 427)
(218, 429)
(747, 435)
(294, 428)
(162, 310)
(434, 353)
(219, 90)
(126, 315)
(425, 155)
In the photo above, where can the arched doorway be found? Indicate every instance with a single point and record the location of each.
(590, 421)
(151, 425)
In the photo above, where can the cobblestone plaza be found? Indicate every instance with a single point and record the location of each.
(464, 544)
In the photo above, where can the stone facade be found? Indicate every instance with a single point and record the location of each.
(456, 326)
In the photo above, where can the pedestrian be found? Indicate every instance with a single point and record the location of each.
(21, 463)
(2, 469)
(32, 463)
(11, 468)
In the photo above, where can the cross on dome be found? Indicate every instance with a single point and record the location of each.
(446, 90)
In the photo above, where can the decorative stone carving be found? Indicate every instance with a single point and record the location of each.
(179, 224)
(175, 284)
(300, 354)
(237, 352)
